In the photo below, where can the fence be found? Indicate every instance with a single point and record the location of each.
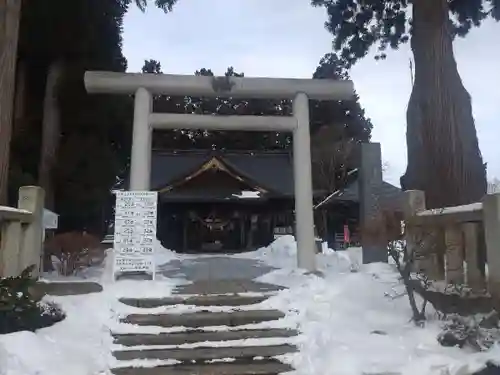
(460, 245)
(22, 233)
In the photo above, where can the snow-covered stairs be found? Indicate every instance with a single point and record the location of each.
(192, 348)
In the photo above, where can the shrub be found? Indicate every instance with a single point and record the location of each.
(18, 309)
(478, 333)
(73, 251)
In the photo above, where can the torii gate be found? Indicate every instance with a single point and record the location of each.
(299, 90)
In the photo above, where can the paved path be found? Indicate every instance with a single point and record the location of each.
(218, 275)
(215, 268)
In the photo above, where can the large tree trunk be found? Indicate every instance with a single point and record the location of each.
(443, 152)
(51, 132)
(20, 97)
(10, 13)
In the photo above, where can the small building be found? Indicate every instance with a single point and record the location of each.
(231, 201)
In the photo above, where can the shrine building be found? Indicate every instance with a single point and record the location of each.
(234, 201)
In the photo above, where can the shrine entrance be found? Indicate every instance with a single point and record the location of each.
(215, 230)
(298, 90)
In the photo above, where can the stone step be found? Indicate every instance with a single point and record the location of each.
(64, 288)
(263, 367)
(204, 319)
(178, 338)
(201, 354)
(226, 286)
(203, 300)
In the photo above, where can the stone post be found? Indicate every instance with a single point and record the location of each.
(491, 218)
(414, 203)
(373, 227)
(473, 247)
(419, 239)
(454, 269)
(10, 248)
(306, 244)
(32, 198)
(140, 163)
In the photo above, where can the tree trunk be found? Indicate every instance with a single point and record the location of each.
(20, 97)
(10, 13)
(51, 132)
(444, 159)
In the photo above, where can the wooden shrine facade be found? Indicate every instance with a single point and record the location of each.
(237, 201)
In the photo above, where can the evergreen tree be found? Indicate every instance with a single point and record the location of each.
(338, 128)
(443, 153)
(10, 17)
(91, 143)
(166, 5)
(10, 11)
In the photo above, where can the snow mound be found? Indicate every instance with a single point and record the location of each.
(79, 345)
(282, 253)
(163, 255)
(348, 322)
(349, 326)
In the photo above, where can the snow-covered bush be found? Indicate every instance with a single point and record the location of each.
(478, 333)
(19, 311)
(72, 251)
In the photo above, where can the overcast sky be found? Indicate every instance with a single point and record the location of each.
(287, 38)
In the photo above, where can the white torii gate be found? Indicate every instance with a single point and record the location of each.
(299, 90)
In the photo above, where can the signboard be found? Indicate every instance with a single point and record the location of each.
(135, 231)
(130, 264)
(50, 219)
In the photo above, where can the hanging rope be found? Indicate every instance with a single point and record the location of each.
(211, 222)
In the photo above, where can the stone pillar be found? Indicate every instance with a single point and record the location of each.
(414, 203)
(491, 217)
(32, 198)
(454, 262)
(473, 247)
(306, 245)
(140, 164)
(373, 229)
(10, 249)
(419, 239)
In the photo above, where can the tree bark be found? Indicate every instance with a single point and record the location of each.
(10, 13)
(444, 159)
(20, 97)
(51, 132)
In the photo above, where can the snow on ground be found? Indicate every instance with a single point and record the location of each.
(348, 325)
(81, 344)
(282, 254)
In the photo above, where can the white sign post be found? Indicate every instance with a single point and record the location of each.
(135, 232)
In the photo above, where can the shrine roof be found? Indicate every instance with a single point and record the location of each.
(271, 170)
